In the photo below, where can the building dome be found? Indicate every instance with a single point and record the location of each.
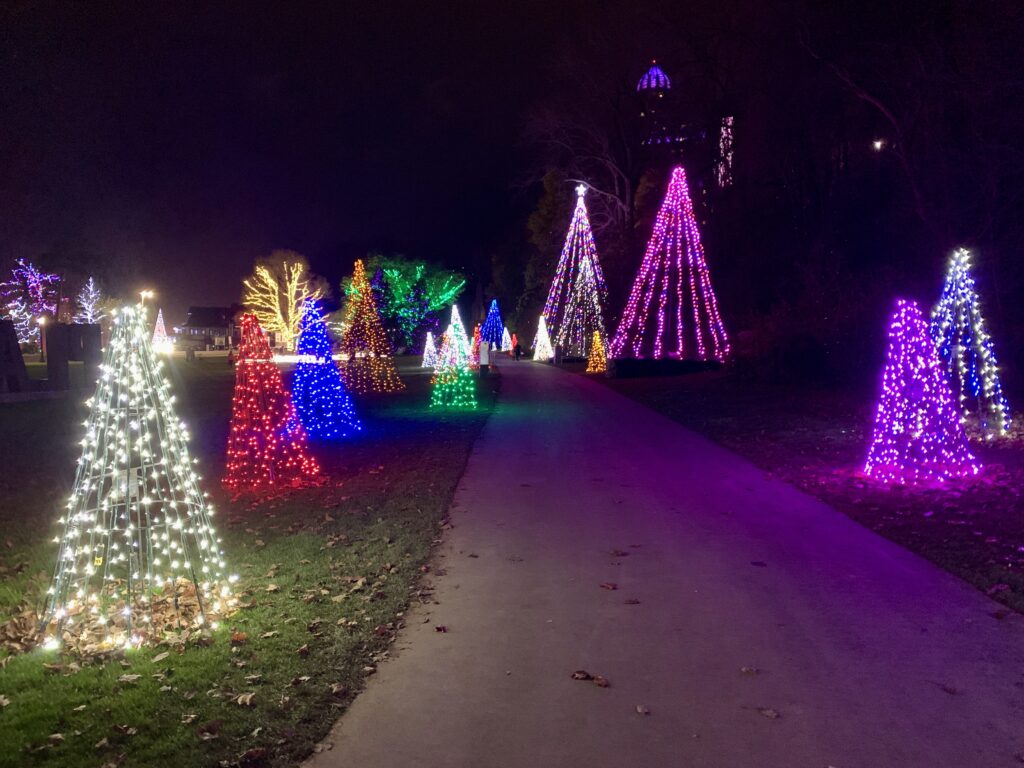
(654, 79)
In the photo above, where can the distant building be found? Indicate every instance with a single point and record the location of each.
(209, 327)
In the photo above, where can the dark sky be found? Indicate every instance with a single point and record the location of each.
(193, 139)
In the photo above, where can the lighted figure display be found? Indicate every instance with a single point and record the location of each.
(672, 310)
(515, 342)
(429, 352)
(454, 384)
(324, 407)
(506, 340)
(28, 295)
(89, 300)
(161, 343)
(474, 351)
(917, 436)
(138, 553)
(573, 307)
(542, 342)
(267, 445)
(493, 329)
(597, 362)
(966, 349)
(370, 367)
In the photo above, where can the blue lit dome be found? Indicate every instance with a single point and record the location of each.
(654, 79)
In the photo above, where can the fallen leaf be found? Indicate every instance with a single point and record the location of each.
(56, 738)
(303, 651)
(189, 717)
(253, 758)
(641, 709)
(582, 674)
(4, 701)
(440, 628)
(267, 635)
(244, 699)
(771, 714)
(238, 638)
(161, 656)
(337, 689)
(128, 678)
(610, 585)
(102, 743)
(750, 670)
(632, 601)
(602, 682)
(273, 588)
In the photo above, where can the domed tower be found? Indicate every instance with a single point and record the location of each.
(652, 88)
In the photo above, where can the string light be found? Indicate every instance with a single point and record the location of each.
(138, 556)
(370, 367)
(28, 294)
(493, 329)
(917, 436)
(597, 362)
(506, 340)
(324, 407)
(474, 350)
(454, 384)
(573, 306)
(89, 300)
(542, 350)
(965, 347)
(672, 310)
(723, 168)
(267, 445)
(275, 293)
(161, 343)
(429, 352)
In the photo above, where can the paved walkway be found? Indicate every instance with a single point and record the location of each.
(866, 656)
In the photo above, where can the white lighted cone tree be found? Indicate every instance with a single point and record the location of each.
(429, 352)
(506, 340)
(139, 559)
(542, 342)
(161, 342)
(965, 348)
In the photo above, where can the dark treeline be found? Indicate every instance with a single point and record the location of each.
(870, 139)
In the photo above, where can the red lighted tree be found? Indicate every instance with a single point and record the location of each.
(369, 367)
(267, 445)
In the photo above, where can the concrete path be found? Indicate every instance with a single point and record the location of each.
(866, 656)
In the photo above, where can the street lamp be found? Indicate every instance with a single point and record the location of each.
(146, 294)
(41, 322)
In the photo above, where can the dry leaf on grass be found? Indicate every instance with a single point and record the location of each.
(245, 699)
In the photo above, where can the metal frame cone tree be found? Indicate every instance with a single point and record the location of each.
(370, 367)
(318, 392)
(672, 310)
(454, 385)
(429, 352)
(918, 437)
(267, 444)
(506, 340)
(139, 558)
(458, 333)
(965, 347)
(492, 329)
(161, 342)
(573, 307)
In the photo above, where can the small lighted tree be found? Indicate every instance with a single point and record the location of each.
(965, 347)
(429, 352)
(161, 342)
(139, 557)
(275, 290)
(672, 310)
(370, 367)
(506, 340)
(597, 362)
(492, 329)
(454, 384)
(90, 303)
(267, 444)
(26, 296)
(917, 436)
(458, 334)
(474, 350)
(542, 342)
(324, 406)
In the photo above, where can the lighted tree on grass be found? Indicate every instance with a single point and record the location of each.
(26, 296)
(597, 362)
(161, 342)
(90, 303)
(458, 333)
(965, 347)
(672, 310)
(573, 306)
(139, 557)
(917, 436)
(506, 340)
(492, 329)
(267, 444)
(275, 292)
(542, 342)
(454, 384)
(324, 406)
(370, 367)
(429, 352)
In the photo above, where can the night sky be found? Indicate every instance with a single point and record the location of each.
(191, 140)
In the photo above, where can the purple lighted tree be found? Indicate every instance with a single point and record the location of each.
(918, 437)
(672, 310)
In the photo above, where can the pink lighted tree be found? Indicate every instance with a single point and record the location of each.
(918, 437)
(672, 310)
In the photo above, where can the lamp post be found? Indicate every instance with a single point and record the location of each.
(42, 338)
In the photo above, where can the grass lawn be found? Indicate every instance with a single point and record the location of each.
(816, 440)
(326, 575)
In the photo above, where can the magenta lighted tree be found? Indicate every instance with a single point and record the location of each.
(917, 437)
(672, 310)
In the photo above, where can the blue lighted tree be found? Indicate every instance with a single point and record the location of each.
(319, 395)
(491, 330)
